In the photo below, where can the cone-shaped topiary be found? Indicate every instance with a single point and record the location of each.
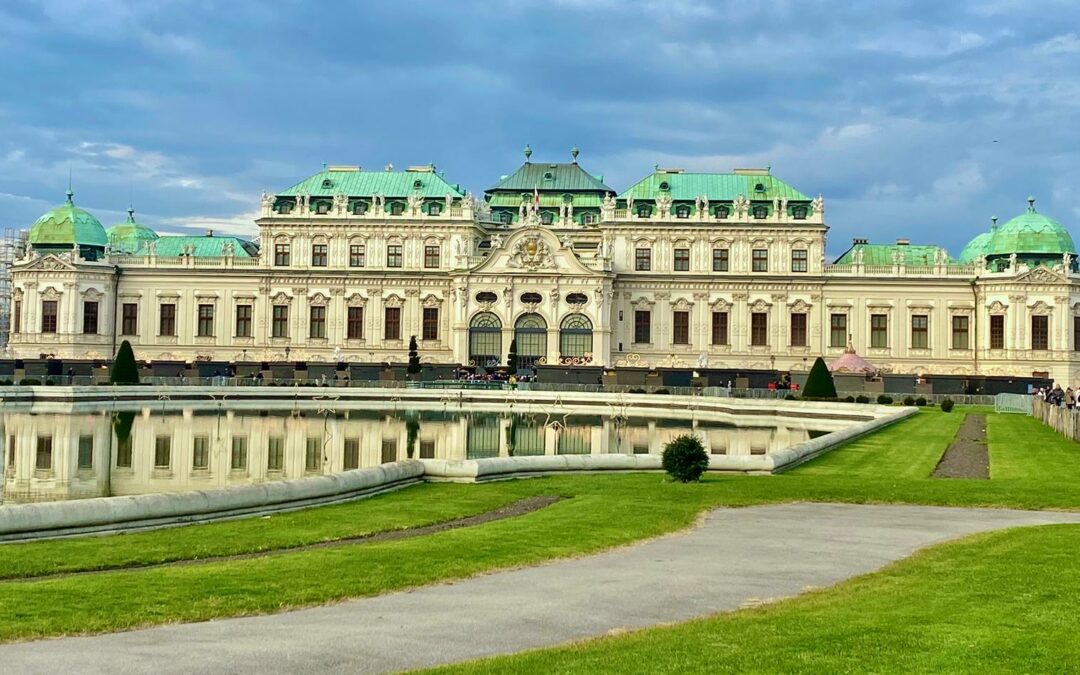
(414, 357)
(124, 369)
(819, 383)
(685, 459)
(511, 358)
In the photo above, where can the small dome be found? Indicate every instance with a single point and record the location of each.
(1030, 234)
(975, 248)
(129, 236)
(65, 226)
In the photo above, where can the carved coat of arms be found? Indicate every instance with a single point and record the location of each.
(531, 253)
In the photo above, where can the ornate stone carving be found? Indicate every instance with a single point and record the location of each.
(531, 253)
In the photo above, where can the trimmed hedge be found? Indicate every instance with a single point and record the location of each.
(947, 405)
(124, 369)
(819, 383)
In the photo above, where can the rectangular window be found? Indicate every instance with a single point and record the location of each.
(1076, 333)
(997, 332)
(352, 454)
(642, 326)
(682, 260)
(798, 329)
(17, 318)
(719, 328)
(167, 320)
(392, 324)
(355, 325)
(90, 318)
(759, 260)
(200, 453)
(48, 316)
(206, 321)
(960, 332)
(879, 331)
(389, 450)
(1040, 332)
(11, 451)
(920, 338)
(318, 255)
(86, 452)
(123, 453)
(799, 260)
(281, 255)
(680, 328)
(427, 449)
(759, 329)
(312, 455)
(43, 459)
(838, 334)
(275, 453)
(431, 257)
(243, 321)
(643, 259)
(279, 325)
(431, 324)
(356, 255)
(393, 255)
(129, 319)
(317, 322)
(721, 260)
(238, 456)
(162, 452)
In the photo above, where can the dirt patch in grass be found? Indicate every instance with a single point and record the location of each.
(967, 456)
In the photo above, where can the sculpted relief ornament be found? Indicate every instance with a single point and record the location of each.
(531, 253)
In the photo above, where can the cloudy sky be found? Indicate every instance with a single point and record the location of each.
(917, 119)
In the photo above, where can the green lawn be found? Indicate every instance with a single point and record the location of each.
(1004, 602)
(600, 511)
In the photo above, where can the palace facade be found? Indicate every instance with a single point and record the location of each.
(681, 269)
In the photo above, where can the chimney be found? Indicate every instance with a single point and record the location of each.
(903, 242)
(209, 233)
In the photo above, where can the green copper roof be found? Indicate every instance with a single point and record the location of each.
(568, 177)
(681, 186)
(355, 183)
(882, 254)
(975, 248)
(128, 237)
(203, 247)
(1030, 233)
(67, 225)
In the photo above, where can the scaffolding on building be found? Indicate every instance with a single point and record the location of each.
(11, 247)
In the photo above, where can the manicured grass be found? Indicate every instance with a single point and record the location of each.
(1023, 449)
(601, 511)
(1000, 602)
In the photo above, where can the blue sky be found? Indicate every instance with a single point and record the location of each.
(916, 119)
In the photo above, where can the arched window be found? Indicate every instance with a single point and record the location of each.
(546, 217)
(575, 337)
(644, 210)
(322, 207)
(285, 207)
(723, 212)
(397, 208)
(798, 212)
(485, 340)
(760, 212)
(682, 211)
(434, 208)
(530, 331)
(506, 217)
(359, 208)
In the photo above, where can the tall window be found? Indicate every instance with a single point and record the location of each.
(960, 332)
(48, 316)
(318, 255)
(642, 326)
(393, 255)
(352, 454)
(279, 324)
(86, 452)
(317, 322)
(162, 452)
(281, 255)
(200, 453)
(575, 336)
(879, 330)
(997, 331)
(759, 329)
(759, 260)
(243, 321)
(680, 327)
(312, 455)
(430, 328)
(682, 260)
(275, 453)
(798, 329)
(919, 331)
(90, 318)
(17, 319)
(238, 456)
(12, 440)
(129, 319)
(1040, 332)
(356, 255)
(167, 320)
(1076, 333)
(431, 257)
(354, 326)
(719, 328)
(838, 330)
(720, 259)
(642, 259)
(206, 321)
(799, 260)
(392, 324)
(43, 460)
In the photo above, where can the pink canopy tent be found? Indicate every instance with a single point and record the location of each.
(850, 362)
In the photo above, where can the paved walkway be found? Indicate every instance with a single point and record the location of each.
(742, 554)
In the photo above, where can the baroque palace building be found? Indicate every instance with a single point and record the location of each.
(681, 269)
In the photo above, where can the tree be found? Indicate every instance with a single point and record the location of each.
(819, 383)
(414, 357)
(512, 358)
(685, 458)
(124, 369)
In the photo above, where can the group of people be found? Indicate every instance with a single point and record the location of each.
(1056, 396)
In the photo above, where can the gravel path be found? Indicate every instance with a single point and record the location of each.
(734, 557)
(967, 456)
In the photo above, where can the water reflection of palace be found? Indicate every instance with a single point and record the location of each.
(73, 456)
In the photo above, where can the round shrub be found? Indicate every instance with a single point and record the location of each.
(884, 399)
(30, 382)
(791, 397)
(636, 390)
(685, 459)
(661, 391)
(921, 401)
(849, 399)
(909, 401)
(947, 405)
(862, 399)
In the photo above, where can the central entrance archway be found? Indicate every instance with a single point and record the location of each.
(485, 340)
(530, 331)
